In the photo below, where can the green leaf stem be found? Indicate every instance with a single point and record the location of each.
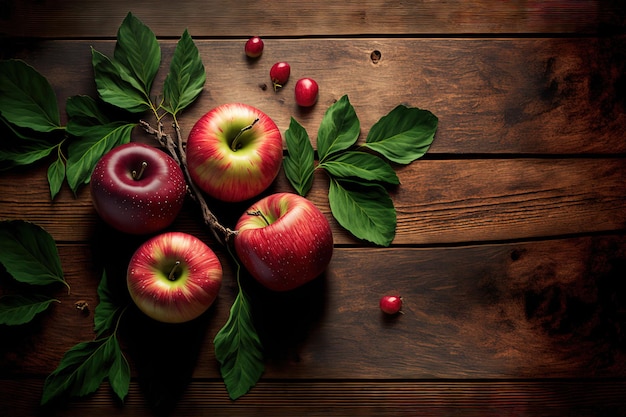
(29, 253)
(20, 309)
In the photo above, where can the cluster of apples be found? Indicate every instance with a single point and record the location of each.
(234, 152)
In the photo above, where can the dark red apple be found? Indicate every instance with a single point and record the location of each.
(137, 188)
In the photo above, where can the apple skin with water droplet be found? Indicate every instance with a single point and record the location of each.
(174, 277)
(141, 203)
(284, 241)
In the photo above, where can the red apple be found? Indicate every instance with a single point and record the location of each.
(174, 277)
(284, 241)
(234, 152)
(137, 189)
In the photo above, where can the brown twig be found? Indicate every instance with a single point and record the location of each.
(177, 151)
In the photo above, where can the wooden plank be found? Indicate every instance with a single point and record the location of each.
(438, 201)
(492, 96)
(96, 19)
(549, 309)
(342, 398)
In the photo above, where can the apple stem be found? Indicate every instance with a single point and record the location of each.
(235, 144)
(172, 276)
(137, 175)
(259, 214)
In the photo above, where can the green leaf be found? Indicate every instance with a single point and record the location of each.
(24, 146)
(403, 135)
(355, 164)
(338, 130)
(299, 162)
(365, 210)
(26, 97)
(29, 253)
(238, 349)
(25, 153)
(83, 368)
(119, 375)
(115, 86)
(84, 111)
(138, 50)
(20, 309)
(186, 78)
(107, 310)
(56, 175)
(94, 143)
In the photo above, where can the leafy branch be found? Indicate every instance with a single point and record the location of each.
(358, 197)
(86, 365)
(124, 81)
(238, 348)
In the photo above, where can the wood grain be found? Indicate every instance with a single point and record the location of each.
(98, 18)
(438, 201)
(510, 249)
(323, 398)
(550, 309)
(492, 96)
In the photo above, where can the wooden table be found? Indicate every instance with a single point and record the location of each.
(510, 249)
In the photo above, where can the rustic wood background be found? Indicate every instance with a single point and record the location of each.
(510, 250)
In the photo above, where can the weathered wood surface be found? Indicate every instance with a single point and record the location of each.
(510, 250)
(438, 201)
(99, 18)
(505, 96)
(527, 310)
(380, 398)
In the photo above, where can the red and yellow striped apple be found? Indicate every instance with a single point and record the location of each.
(174, 277)
(234, 152)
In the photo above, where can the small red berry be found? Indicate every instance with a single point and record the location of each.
(254, 47)
(391, 304)
(306, 92)
(279, 73)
